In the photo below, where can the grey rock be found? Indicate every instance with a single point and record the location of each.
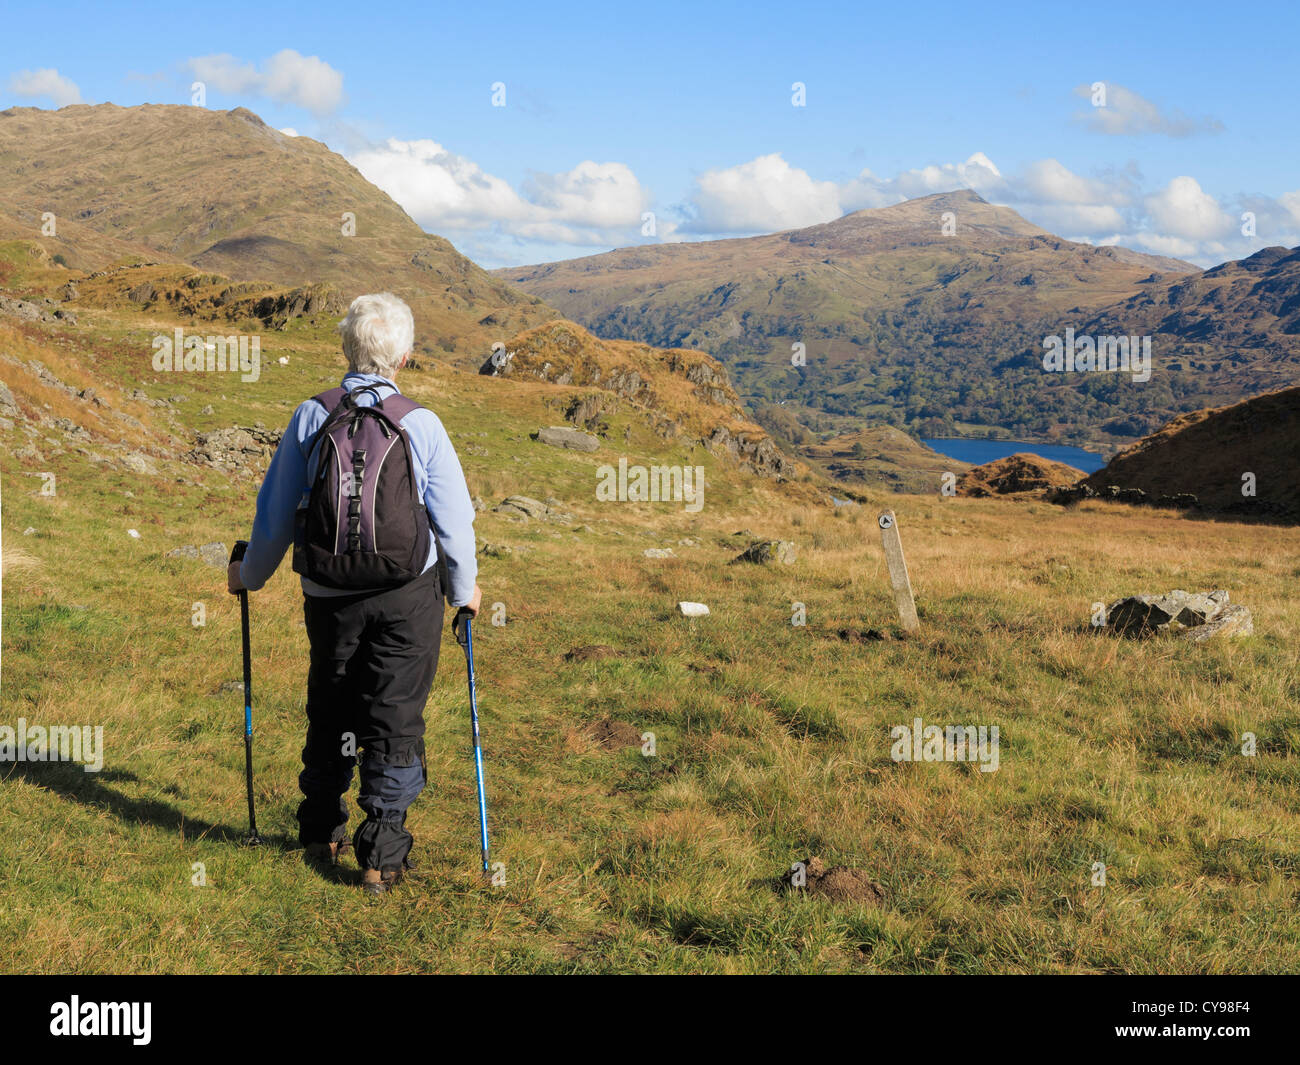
(526, 507)
(25, 311)
(768, 551)
(522, 506)
(188, 551)
(563, 436)
(658, 552)
(238, 448)
(137, 462)
(1233, 620)
(1142, 615)
(143, 293)
(215, 555)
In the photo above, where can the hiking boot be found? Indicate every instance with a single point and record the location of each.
(379, 882)
(327, 853)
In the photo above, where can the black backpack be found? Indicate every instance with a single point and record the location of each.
(364, 523)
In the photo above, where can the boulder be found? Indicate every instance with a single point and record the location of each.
(1232, 620)
(523, 507)
(215, 554)
(1142, 615)
(563, 436)
(768, 551)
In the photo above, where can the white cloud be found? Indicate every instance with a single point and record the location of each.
(1159, 244)
(1290, 202)
(764, 195)
(1048, 181)
(1183, 209)
(978, 172)
(289, 131)
(47, 83)
(287, 77)
(1125, 113)
(592, 204)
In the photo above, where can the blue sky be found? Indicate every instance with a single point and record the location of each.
(685, 110)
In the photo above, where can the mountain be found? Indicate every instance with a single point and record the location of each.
(1232, 330)
(223, 191)
(900, 322)
(1239, 459)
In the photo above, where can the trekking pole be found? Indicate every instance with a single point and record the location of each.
(460, 625)
(253, 840)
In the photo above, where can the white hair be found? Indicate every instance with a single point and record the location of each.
(378, 333)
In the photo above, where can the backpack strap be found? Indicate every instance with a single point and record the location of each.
(398, 406)
(329, 400)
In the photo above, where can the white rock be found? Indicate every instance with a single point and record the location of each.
(693, 610)
(133, 534)
(658, 552)
(284, 360)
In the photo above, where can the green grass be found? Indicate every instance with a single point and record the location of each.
(772, 740)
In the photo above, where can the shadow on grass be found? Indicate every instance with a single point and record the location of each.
(72, 782)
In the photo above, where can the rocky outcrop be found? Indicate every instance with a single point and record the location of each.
(1067, 495)
(240, 449)
(684, 394)
(751, 452)
(1199, 616)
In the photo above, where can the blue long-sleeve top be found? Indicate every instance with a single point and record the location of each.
(438, 476)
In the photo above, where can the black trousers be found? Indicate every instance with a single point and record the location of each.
(373, 660)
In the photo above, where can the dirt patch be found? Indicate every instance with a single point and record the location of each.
(862, 635)
(614, 735)
(839, 883)
(590, 652)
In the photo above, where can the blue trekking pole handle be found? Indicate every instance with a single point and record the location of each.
(461, 627)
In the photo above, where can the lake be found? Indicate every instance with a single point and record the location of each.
(978, 452)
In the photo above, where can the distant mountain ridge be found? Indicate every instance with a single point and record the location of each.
(929, 314)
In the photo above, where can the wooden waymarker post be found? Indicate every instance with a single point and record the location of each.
(898, 571)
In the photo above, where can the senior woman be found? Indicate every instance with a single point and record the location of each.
(374, 650)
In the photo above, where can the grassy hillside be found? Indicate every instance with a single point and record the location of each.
(772, 740)
(1243, 459)
(261, 206)
(928, 315)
